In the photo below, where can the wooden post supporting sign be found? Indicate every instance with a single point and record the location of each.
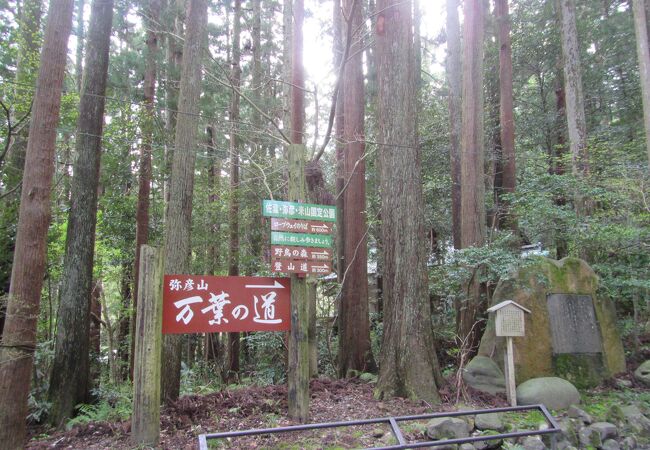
(298, 374)
(147, 360)
(510, 322)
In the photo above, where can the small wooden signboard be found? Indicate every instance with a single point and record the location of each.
(510, 322)
(300, 237)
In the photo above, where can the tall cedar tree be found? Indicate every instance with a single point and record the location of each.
(575, 103)
(69, 382)
(506, 116)
(12, 157)
(152, 16)
(80, 35)
(233, 253)
(472, 206)
(19, 336)
(211, 341)
(408, 359)
(175, 13)
(179, 211)
(339, 124)
(354, 322)
(257, 149)
(643, 55)
(454, 81)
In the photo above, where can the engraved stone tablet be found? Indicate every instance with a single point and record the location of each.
(573, 324)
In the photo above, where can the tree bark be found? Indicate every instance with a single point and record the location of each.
(454, 77)
(287, 61)
(258, 244)
(19, 335)
(575, 109)
(179, 212)
(643, 55)
(339, 124)
(122, 327)
(233, 253)
(95, 334)
(80, 32)
(69, 383)
(408, 360)
(211, 343)
(556, 165)
(472, 206)
(298, 348)
(152, 16)
(174, 55)
(13, 163)
(506, 116)
(354, 323)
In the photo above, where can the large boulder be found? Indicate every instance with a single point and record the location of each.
(642, 373)
(483, 374)
(571, 331)
(553, 392)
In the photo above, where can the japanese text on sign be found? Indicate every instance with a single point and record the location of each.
(201, 304)
(300, 266)
(305, 253)
(292, 210)
(307, 240)
(300, 226)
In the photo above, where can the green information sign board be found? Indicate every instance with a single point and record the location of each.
(293, 210)
(302, 239)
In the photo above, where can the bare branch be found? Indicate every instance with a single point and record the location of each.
(11, 191)
(249, 101)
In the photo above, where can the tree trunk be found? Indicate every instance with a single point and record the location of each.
(80, 43)
(556, 166)
(179, 212)
(643, 54)
(122, 327)
(256, 233)
(152, 15)
(211, 343)
(233, 253)
(339, 123)
(354, 323)
(95, 334)
(69, 383)
(408, 360)
(506, 116)
(454, 80)
(174, 56)
(472, 211)
(19, 336)
(287, 62)
(575, 109)
(298, 348)
(29, 39)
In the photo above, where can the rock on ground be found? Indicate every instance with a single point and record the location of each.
(642, 373)
(553, 392)
(483, 374)
(447, 428)
(489, 421)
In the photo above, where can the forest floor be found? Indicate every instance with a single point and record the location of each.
(263, 407)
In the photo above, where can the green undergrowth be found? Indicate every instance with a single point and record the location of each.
(114, 404)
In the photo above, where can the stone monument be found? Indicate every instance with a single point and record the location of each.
(571, 331)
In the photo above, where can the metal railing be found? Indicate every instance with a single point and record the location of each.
(397, 433)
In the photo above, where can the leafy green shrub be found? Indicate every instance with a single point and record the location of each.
(114, 404)
(266, 357)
